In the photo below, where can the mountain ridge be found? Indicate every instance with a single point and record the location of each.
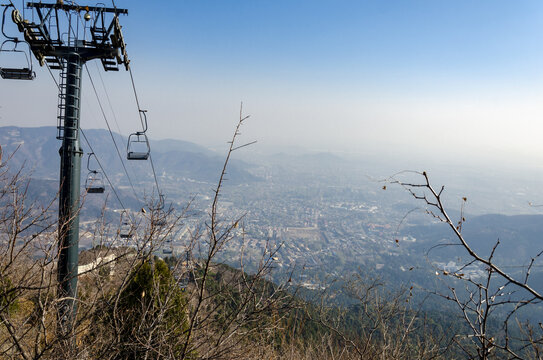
(32, 147)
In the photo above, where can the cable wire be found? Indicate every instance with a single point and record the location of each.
(110, 132)
(107, 97)
(102, 168)
(109, 128)
(136, 97)
(144, 127)
(90, 147)
(139, 113)
(80, 20)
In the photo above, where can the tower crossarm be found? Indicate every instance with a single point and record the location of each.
(71, 7)
(49, 44)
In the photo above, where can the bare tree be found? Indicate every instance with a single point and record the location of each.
(378, 323)
(230, 307)
(480, 298)
(27, 278)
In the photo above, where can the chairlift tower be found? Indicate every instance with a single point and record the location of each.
(64, 36)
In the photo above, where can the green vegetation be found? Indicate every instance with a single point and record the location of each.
(153, 308)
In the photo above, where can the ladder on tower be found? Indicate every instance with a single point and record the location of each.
(61, 110)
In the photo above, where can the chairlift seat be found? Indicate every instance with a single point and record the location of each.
(136, 155)
(17, 74)
(167, 251)
(95, 189)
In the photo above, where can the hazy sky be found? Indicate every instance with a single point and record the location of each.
(450, 78)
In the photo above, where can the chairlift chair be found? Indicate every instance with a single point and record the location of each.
(126, 228)
(95, 181)
(13, 73)
(6, 70)
(125, 231)
(138, 147)
(168, 248)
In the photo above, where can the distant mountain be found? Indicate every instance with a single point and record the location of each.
(37, 150)
(34, 148)
(319, 157)
(309, 163)
(168, 145)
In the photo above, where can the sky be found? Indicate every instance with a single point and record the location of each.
(446, 79)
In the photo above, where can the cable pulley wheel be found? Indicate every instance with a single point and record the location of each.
(16, 16)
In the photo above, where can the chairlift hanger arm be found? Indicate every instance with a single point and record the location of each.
(88, 163)
(69, 7)
(161, 201)
(144, 112)
(4, 21)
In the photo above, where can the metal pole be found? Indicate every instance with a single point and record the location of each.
(70, 177)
